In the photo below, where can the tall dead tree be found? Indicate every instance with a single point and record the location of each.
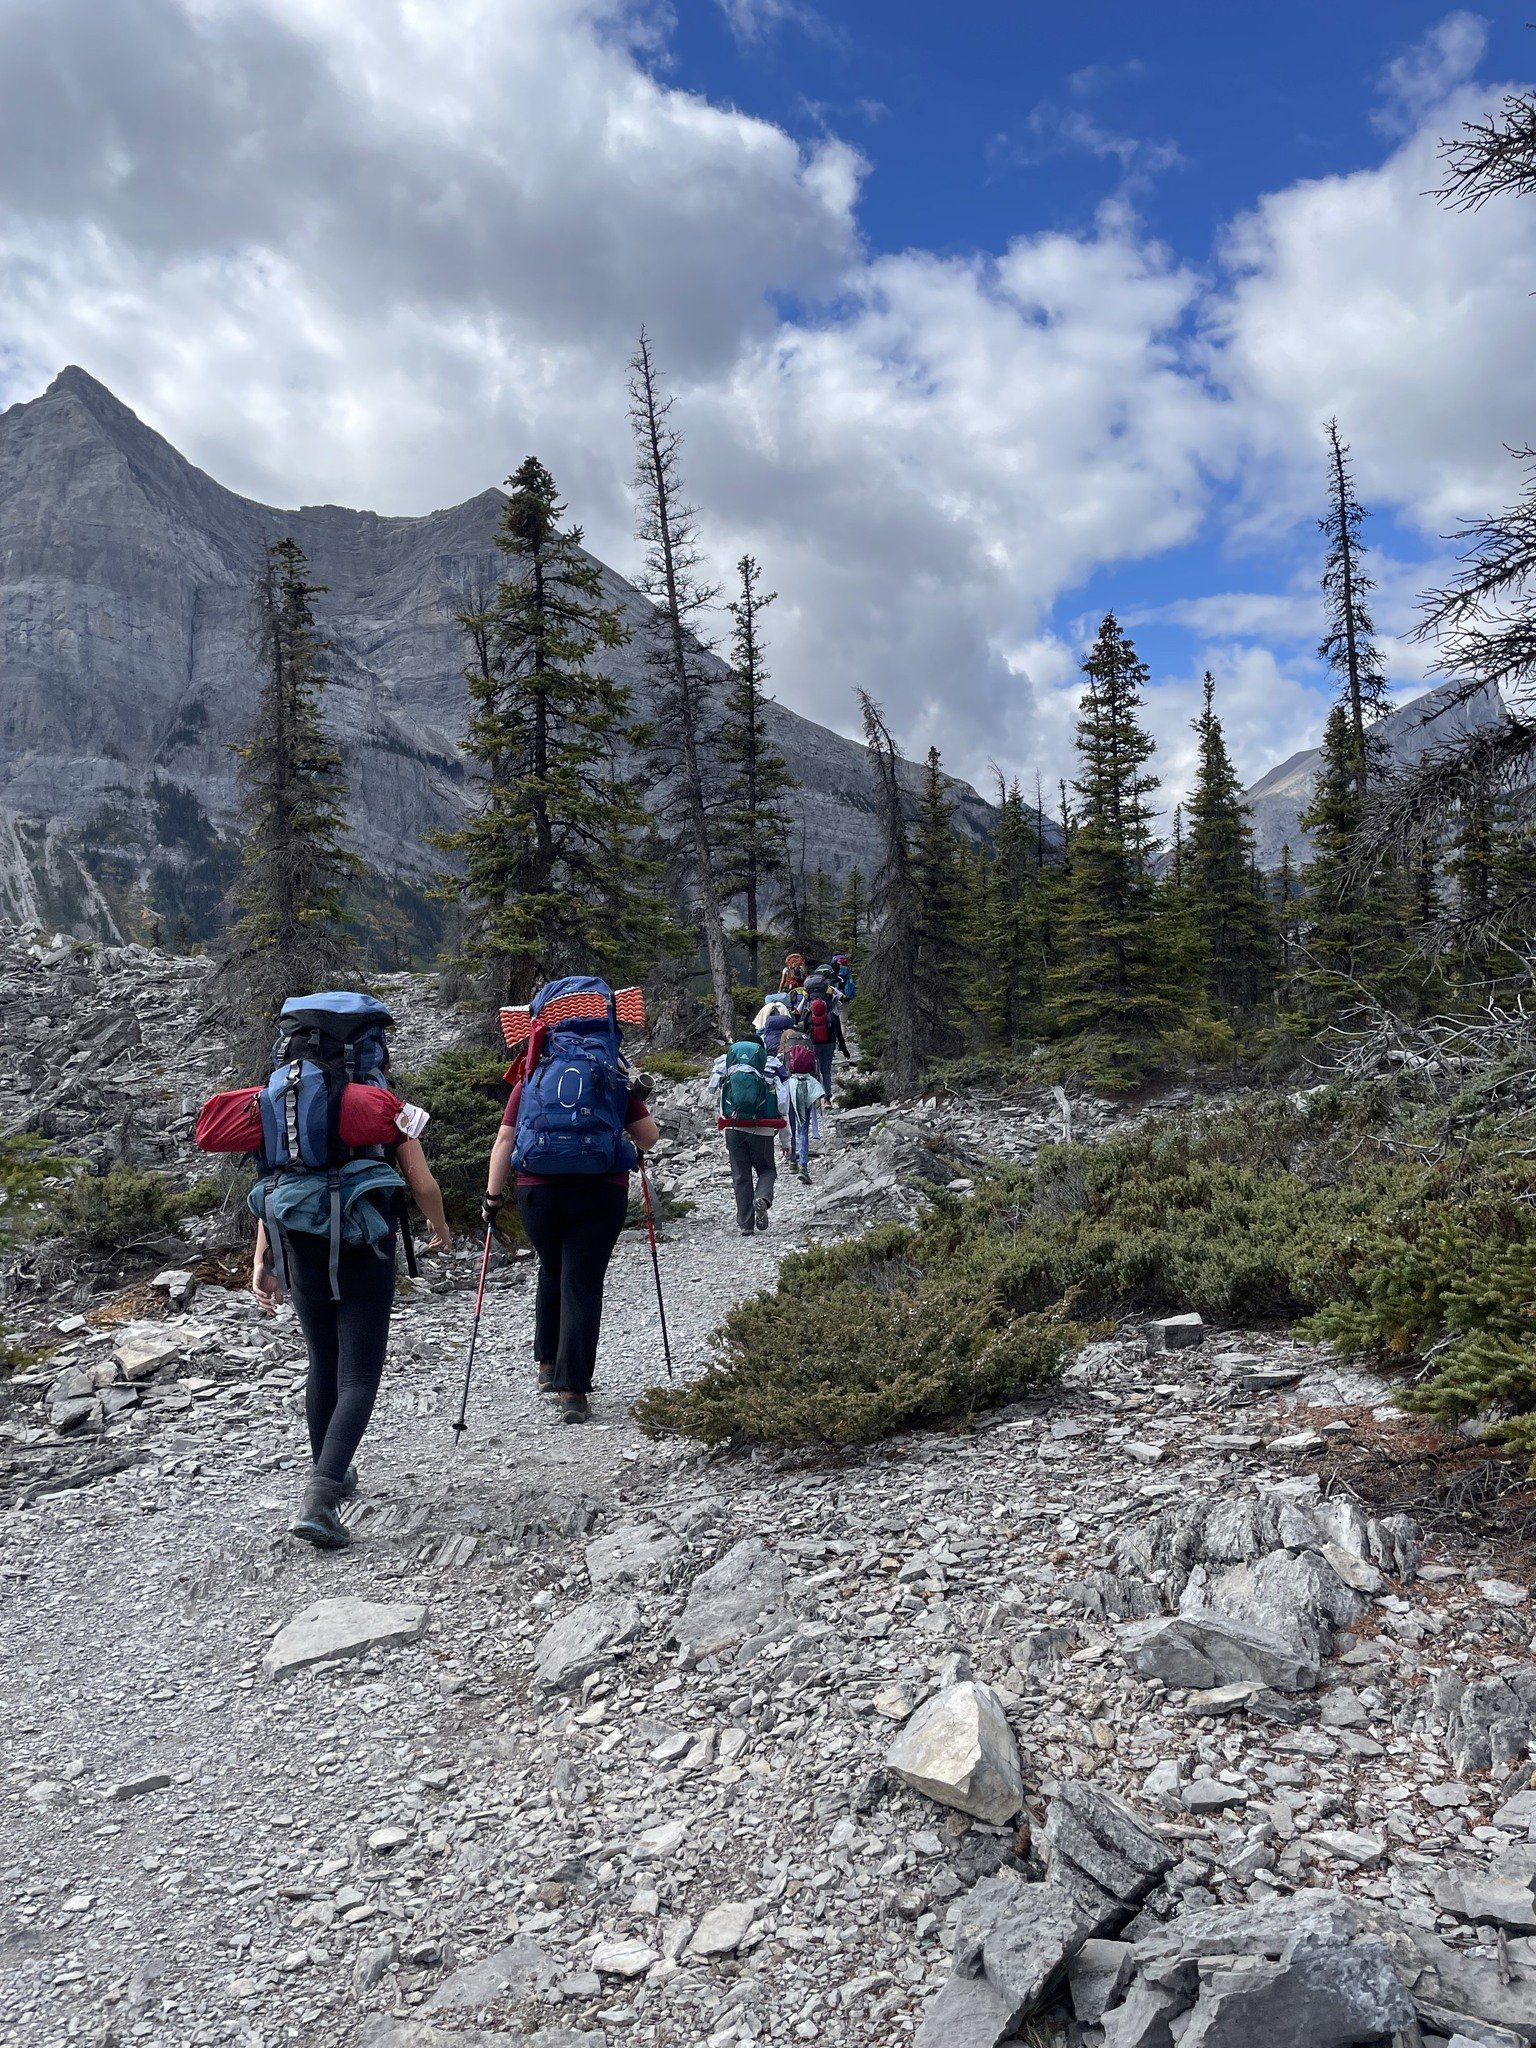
(684, 752)
(893, 955)
(1348, 646)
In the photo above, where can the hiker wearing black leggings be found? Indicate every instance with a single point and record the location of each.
(346, 1337)
(573, 1223)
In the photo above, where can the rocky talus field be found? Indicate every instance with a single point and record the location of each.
(1187, 1703)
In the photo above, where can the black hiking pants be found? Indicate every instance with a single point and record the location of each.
(754, 1172)
(573, 1225)
(824, 1067)
(346, 1339)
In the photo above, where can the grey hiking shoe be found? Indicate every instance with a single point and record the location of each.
(349, 1483)
(760, 1214)
(575, 1408)
(546, 1379)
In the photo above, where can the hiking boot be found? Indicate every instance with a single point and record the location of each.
(348, 1483)
(319, 1520)
(749, 1230)
(760, 1213)
(546, 1379)
(575, 1408)
(805, 1176)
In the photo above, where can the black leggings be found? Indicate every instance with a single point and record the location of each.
(346, 1342)
(573, 1225)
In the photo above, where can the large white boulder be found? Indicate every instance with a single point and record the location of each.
(958, 1749)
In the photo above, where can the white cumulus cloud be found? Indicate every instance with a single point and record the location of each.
(378, 254)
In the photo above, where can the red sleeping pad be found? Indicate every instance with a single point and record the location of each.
(231, 1122)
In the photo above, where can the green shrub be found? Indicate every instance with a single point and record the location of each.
(1349, 1208)
(25, 1169)
(465, 1094)
(674, 1066)
(116, 1210)
(670, 1208)
(856, 1342)
(859, 1090)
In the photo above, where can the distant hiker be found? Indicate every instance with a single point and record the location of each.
(338, 1151)
(800, 1095)
(749, 1115)
(844, 982)
(793, 976)
(819, 982)
(574, 1126)
(772, 1021)
(826, 1035)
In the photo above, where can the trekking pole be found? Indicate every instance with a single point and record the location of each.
(474, 1331)
(650, 1224)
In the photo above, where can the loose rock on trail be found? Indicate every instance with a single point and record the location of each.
(597, 1740)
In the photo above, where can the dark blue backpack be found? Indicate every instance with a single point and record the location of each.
(574, 1105)
(323, 1042)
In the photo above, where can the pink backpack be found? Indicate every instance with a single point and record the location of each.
(802, 1060)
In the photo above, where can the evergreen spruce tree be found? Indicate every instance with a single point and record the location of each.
(1491, 876)
(289, 935)
(554, 881)
(1112, 992)
(1012, 949)
(1354, 927)
(852, 916)
(942, 902)
(1287, 892)
(818, 925)
(1233, 920)
(1179, 936)
(684, 754)
(755, 830)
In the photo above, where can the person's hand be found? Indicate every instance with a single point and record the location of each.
(490, 1209)
(265, 1290)
(440, 1240)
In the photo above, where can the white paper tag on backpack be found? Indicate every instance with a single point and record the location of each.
(412, 1120)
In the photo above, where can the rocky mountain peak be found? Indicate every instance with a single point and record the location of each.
(126, 671)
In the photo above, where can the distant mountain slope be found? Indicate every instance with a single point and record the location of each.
(126, 670)
(1278, 799)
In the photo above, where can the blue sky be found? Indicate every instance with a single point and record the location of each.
(984, 122)
(980, 319)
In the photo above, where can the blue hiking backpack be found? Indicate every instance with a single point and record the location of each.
(324, 1041)
(777, 1022)
(574, 1105)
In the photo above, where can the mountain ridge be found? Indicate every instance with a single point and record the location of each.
(126, 670)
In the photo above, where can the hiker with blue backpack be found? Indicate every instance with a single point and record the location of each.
(749, 1115)
(338, 1151)
(772, 1021)
(575, 1125)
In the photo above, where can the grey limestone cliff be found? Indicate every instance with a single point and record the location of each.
(126, 670)
(1278, 799)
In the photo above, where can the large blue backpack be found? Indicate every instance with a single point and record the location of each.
(574, 1105)
(324, 1041)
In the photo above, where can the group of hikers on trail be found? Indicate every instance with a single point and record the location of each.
(339, 1160)
(773, 1085)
